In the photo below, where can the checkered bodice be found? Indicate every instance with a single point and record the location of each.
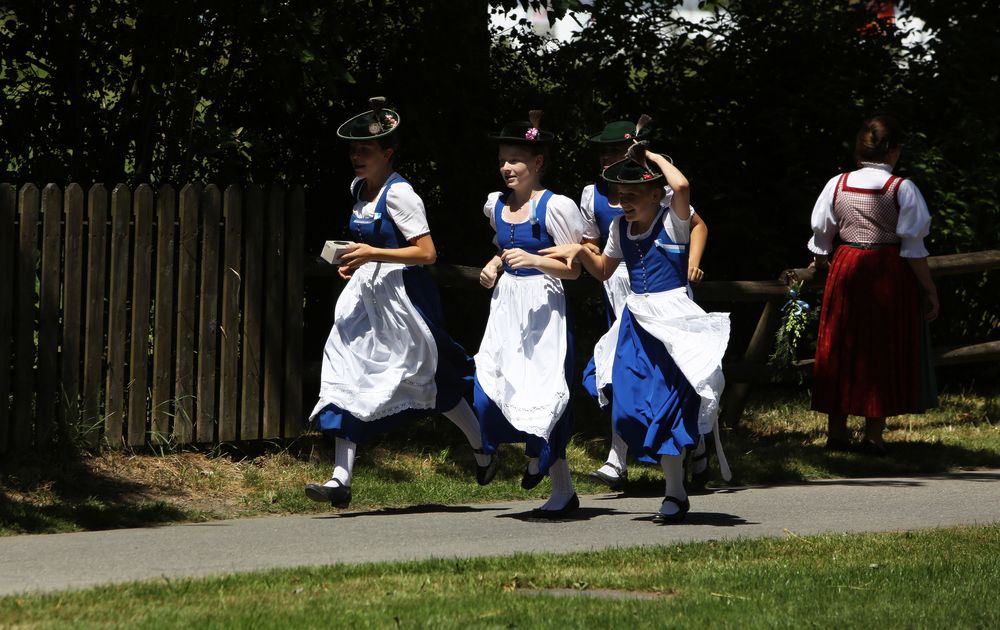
(867, 215)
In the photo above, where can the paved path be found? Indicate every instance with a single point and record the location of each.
(59, 561)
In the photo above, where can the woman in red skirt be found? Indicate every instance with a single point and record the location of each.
(872, 356)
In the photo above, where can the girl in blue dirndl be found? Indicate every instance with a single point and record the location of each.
(388, 360)
(522, 392)
(600, 207)
(663, 356)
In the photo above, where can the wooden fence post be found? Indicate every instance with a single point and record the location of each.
(114, 394)
(163, 326)
(187, 285)
(208, 319)
(47, 399)
(24, 331)
(229, 368)
(274, 328)
(93, 335)
(295, 246)
(253, 300)
(8, 210)
(69, 395)
(139, 348)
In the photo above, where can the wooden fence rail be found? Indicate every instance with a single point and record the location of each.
(144, 317)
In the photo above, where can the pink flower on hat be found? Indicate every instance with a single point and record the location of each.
(628, 136)
(390, 121)
(531, 134)
(647, 176)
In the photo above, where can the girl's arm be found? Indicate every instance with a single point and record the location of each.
(596, 264)
(490, 272)
(519, 259)
(699, 236)
(420, 251)
(923, 274)
(680, 202)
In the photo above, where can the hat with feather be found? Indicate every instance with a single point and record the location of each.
(377, 122)
(635, 168)
(524, 132)
(623, 131)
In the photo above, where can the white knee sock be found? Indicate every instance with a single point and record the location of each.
(463, 417)
(343, 463)
(562, 485)
(673, 476)
(616, 458)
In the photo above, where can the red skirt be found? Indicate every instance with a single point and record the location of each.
(868, 352)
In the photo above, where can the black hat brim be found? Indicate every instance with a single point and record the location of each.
(343, 131)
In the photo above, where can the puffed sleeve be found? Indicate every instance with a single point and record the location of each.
(491, 203)
(612, 249)
(824, 222)
(677, 228)
(590, 229)
(406, 209)
(563, 220)
(914, 221)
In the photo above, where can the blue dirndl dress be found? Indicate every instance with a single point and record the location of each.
(388, 359)
(662, 359)
(521, 391)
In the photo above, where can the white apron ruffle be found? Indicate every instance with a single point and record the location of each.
(695, 340)
(618, 288)
(520, 363)
(380, 357)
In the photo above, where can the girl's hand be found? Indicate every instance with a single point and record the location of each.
(932, 307)
(517, 258)
(345, 272)
(488, 276)
(820, 263)
(567, 252)
(695, 274)
(593, 248)
(357, 255)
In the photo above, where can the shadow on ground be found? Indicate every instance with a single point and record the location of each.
(41, 495)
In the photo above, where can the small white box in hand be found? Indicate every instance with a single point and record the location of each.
(333, 250)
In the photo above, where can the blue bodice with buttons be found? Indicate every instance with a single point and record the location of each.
(604, 212)
(530, 235)
(378, 230)
(655, 263)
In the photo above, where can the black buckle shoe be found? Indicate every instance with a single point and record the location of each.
(614, 483)
(485, 474)
(553, 515)
(668, 519)
(339, 496)
(529, 481)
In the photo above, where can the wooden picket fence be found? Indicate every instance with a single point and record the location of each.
(150, 317)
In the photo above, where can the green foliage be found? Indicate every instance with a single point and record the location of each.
(758, 105)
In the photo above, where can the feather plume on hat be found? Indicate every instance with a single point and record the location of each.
(535, 117)
(377, 103)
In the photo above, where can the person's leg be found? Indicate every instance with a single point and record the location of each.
(675, 504)
(615, 466)
(337, 489)
(463, 417)
(873, 430)
(837, 436)
(343, 470)
(562, 486)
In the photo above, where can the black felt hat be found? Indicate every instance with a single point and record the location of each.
(634, 169)
(524, 132)
(377, 122)
(623, 131)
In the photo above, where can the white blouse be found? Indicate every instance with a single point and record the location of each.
(912, 226)
(678, 229)
(405, 207)
(563, 220)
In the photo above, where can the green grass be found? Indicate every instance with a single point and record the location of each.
(924, 579)
(778, 441)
